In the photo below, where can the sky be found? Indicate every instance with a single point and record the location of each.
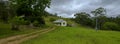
(67, 8)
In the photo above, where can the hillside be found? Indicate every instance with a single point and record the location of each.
(5, 28)
(49, 20)
(77, 35)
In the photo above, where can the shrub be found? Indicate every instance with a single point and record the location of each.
(36, 24)
(16, 21)
(110, 26)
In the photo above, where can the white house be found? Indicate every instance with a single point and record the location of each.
(60, 22)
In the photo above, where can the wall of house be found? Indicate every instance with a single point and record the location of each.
(63, 23)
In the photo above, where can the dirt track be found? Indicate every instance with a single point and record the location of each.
(20, 38)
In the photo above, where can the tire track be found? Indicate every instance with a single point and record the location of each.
(20, 38)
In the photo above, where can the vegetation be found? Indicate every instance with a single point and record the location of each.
(5, 30)
(76, 35)
(19, 14)
(83, 19)
(97, 13)
(32, 10)
(111, 26)
(26, 16)
(98, 21)
(3, 12)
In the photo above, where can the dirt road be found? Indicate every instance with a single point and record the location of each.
(20, 38)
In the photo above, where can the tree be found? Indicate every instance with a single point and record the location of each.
(32, 10)
(83, 18)
(117, 20)
(101, 21)
(98, 12)
(3, 11)
(110, 26)
(30, 7)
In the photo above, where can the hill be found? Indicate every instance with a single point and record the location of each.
(49, 20)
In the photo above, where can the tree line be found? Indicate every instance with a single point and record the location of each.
(99, 20)
(23, 12)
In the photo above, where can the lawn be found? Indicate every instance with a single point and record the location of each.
(76, 35)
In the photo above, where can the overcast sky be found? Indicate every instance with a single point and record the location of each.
(67, 8)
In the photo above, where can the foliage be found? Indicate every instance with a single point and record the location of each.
(101, 21)
(17, 20)
(111, 26)
(3, 11)
(36, 23)
(30, 7)
(83, 18)
(117, 20)
(52, 19)
(98, 12)
(98, 20)
(32, 10)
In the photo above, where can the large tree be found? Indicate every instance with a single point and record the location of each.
(30, 7)
(83, 18)
(32, 10)
(97, 13)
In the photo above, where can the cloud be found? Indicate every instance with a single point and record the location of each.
(67, 8)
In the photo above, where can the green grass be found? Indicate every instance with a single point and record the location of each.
(5, 30)
(76, 35)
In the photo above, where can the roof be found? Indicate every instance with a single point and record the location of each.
(59, 21)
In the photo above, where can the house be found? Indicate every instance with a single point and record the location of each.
(60, 22)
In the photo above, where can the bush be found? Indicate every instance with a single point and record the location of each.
(110, 26)
(52, 19)
(36, 24)
(16, 21)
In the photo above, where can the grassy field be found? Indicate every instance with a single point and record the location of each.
(76, 35)
(5, 30)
